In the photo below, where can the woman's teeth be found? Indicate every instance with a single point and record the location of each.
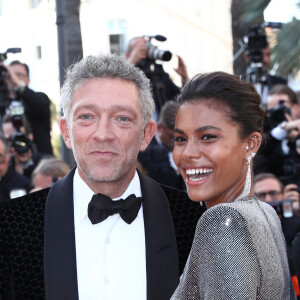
(198, 174)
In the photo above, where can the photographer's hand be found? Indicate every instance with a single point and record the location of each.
(292, 127)
(181, 70)
(291, 191)
(13, 80)
(139, 51)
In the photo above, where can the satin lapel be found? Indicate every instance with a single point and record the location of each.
(60, 252)
(161, 248)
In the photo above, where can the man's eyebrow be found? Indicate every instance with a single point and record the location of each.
(113, 107)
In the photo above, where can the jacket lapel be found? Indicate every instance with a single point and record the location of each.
(60, 252)
(161, 248)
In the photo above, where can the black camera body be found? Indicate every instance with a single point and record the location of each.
(19, 141)
(256, 41)
(277, 114)
(4, 91)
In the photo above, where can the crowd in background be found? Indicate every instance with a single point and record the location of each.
(27, 163)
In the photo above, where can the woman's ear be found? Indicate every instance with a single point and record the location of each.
(253, 142)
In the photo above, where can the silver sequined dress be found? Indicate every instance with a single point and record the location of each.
(238, 253)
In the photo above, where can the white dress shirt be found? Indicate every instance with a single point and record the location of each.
(111, 255)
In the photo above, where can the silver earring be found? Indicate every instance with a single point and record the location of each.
(247, 148)
(247, 185)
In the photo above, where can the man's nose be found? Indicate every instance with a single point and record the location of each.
(104, 130)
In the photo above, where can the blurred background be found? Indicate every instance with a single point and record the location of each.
(208, 35)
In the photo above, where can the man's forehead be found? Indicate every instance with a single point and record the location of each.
(274, 99)
(19, 68)
(266, 184)
(117, 87)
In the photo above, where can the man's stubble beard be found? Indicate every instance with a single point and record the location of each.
(91, 174)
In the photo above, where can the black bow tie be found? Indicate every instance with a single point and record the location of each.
(102, 206)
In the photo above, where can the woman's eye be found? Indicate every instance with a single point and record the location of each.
(208, 137)
(179, 139)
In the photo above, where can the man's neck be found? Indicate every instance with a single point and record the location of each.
(113, 189)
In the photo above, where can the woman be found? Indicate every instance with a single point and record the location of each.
(239, 249)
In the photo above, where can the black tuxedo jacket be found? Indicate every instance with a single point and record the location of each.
(37, 241)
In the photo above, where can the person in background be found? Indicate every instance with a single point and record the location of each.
(268, 188)
(163, 87)
(36, 105)
(24, 155)
(282, 130)
(267, 80)
(47, 172)
(157, 159)
(12, 184)
(235, 252)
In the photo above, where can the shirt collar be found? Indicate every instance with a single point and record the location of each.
(83, 195)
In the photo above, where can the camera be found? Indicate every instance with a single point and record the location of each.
(254, 43)
(276, 115)
(4, 91)
(256, 40)
(157, 54)
(283, 208)
(19, 141)
(291, 172)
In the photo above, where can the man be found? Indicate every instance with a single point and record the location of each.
(268, 188)
(283, 124)
(157, 159)
(47, 172)
(36, 105)
(12, 184)
(24, 157)
(267, 81)
(96, 248)
(163, 87)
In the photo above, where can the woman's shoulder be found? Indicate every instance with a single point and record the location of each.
(239, 216)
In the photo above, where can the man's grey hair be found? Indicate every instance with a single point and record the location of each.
(106, 66)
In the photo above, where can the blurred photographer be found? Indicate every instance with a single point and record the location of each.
(258, 56)
(12, 184)
(36, 105)
(282, 132)
(142, 53)
(24, 156)
(268, 188)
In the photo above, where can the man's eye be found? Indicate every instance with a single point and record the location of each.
(85, 117)
(123, 119)
(208, 137)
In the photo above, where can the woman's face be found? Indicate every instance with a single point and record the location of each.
(209, 153)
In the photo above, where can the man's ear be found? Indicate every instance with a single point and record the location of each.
(65, 132)
(149, 132)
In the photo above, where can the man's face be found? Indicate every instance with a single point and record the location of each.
(266, 57)
(21, 73)
(4, 160)
(105, 131)
(273, 101)
(268, 190)
(166, 136)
